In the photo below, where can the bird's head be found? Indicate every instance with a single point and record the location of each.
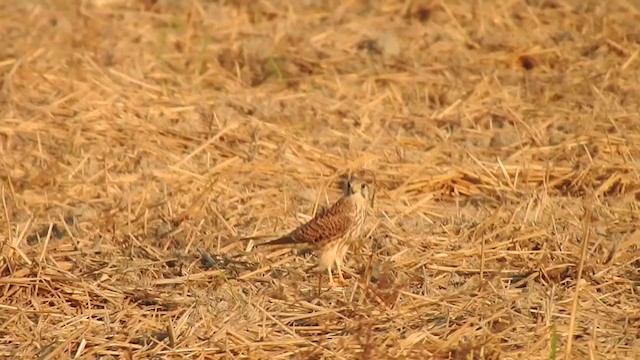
(359, 189)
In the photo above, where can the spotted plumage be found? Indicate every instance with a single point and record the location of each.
(332, 230)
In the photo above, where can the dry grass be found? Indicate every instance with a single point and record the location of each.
(140, 138)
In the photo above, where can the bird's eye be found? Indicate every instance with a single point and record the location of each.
(363, 186)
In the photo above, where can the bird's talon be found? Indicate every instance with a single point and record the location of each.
(338, 283)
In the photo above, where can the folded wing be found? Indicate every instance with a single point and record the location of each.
(326, 226)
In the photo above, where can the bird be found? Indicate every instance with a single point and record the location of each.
(331, 231)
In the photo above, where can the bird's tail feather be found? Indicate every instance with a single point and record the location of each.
(285, 240)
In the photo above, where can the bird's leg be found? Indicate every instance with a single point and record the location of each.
(339, 266)
(330, 277)
(340, 256)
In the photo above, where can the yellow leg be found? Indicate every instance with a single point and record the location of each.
(330, 276)
(339, 266)
(342, 250)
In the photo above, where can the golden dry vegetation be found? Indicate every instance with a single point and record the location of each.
(140, 139)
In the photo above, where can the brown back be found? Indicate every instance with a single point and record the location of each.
(328, 225)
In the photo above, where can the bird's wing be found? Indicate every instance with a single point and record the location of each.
(327, 225)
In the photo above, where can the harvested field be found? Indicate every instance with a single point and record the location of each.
(142, 140)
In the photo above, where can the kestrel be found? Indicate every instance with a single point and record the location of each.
(333, 229)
